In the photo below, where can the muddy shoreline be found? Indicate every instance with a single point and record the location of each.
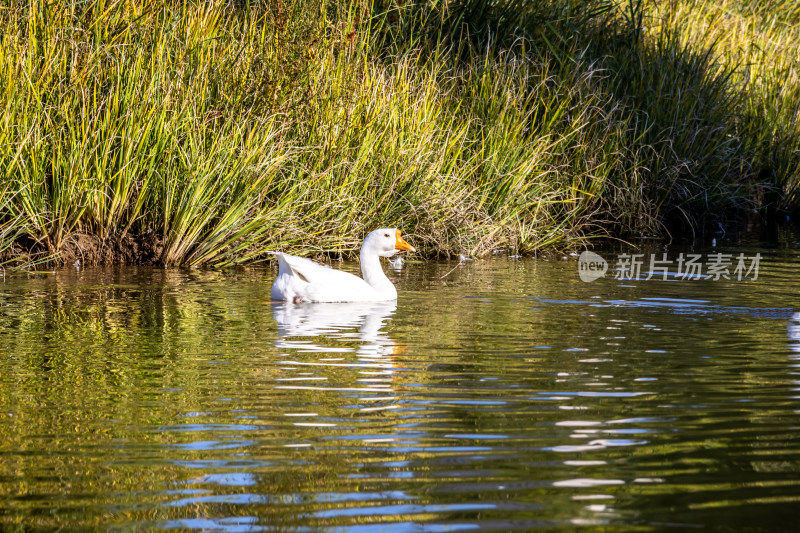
(89, 250)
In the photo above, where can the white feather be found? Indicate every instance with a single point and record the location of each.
(302, 280)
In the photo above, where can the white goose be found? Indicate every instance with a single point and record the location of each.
(302, 280)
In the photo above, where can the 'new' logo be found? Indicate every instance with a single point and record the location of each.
(591, 266)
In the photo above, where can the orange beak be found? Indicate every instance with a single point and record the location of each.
(400, 244)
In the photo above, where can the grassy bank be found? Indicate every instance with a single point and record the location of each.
(202, 133)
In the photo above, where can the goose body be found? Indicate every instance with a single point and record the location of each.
(302, 280)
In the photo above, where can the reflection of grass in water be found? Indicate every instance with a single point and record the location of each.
(105, 370)
(103, 364)
(79, 374)
(207, 134)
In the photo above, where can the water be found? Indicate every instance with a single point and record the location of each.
(495, 395)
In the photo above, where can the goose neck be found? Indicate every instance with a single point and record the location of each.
(372, 271)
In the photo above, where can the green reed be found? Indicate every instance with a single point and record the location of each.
(219, 131)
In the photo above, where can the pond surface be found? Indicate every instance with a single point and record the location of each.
(498, 395)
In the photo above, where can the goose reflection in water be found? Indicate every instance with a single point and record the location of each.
(363, 322)
(321, 340)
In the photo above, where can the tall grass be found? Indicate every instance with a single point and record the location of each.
(205, 133)
(758, 45)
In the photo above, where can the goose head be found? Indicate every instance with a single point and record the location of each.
(385, 242)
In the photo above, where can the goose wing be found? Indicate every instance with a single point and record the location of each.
(310, 271)
(298, 276)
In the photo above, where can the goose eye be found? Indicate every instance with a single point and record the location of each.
(386, 235)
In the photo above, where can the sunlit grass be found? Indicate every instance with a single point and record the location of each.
(210, 134)
(759, 44)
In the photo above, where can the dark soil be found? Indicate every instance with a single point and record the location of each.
(130, 250)
(92, 250)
